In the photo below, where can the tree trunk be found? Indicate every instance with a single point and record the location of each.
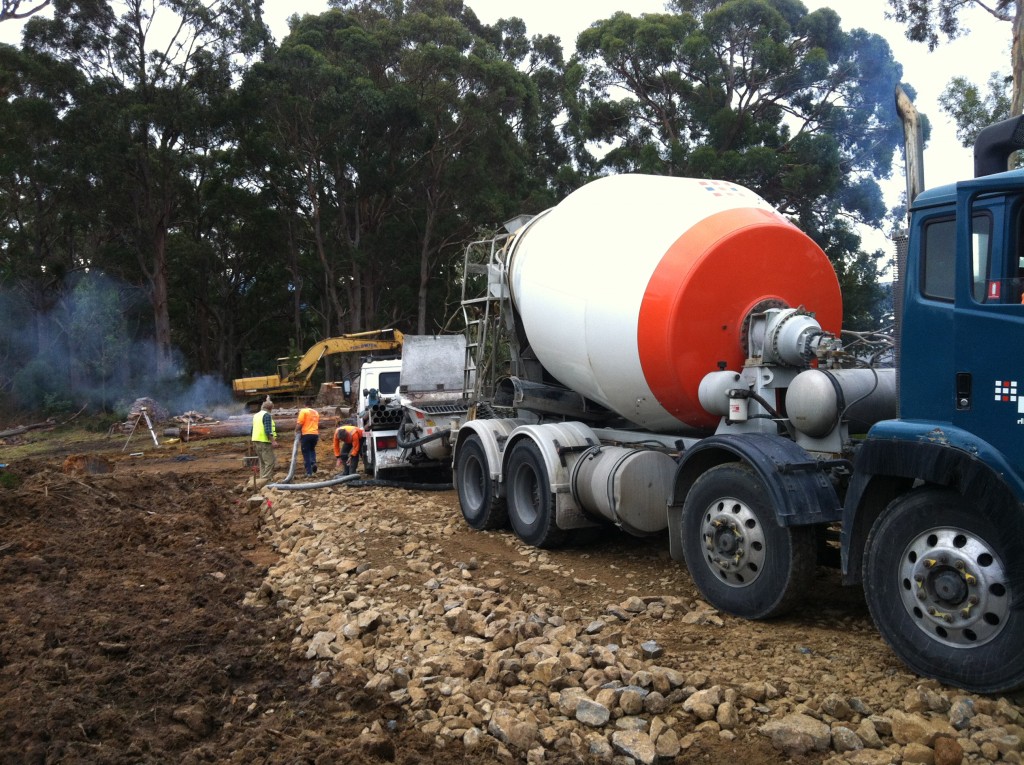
(295, 271)
(161, 313)
(421, 293)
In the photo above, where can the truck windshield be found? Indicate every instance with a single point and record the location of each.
(388, 382)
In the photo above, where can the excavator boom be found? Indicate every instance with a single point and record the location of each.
(297, 381)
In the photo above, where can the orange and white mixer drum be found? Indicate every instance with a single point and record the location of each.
(634, 287)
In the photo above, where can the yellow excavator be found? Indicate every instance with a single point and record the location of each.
(293, 380)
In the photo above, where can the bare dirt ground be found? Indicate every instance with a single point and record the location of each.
(124, 637)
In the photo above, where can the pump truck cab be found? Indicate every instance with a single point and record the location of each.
(407, 408)
(661, 353)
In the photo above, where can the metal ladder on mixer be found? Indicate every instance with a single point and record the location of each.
(484, 289)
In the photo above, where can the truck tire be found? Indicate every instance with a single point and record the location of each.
(481, 509)
(531, 507)
(937, 579)
(740, 558)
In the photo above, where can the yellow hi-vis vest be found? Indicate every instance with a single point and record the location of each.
(259, 430)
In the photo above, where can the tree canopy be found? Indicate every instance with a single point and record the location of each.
(929, 21)
(259, 197)
(18, 9)
(761, 93)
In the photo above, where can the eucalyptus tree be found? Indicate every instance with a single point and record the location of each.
(18, 9)
(33, 164)
(759, 92)
(929, 21)
(311, 104)
(484, 142)
(970, 105)
(974, 108)
(152, 69)
(396, 128)
(229, 302)
(48, 219)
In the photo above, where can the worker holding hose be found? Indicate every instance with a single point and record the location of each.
(348, 442)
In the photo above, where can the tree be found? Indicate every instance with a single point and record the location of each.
(325, 129)
(754, 91)
(393, 129)
(929, 20)
(971, 109)
(48, 219)
(16, 9)
(153, 69)
(477, 113)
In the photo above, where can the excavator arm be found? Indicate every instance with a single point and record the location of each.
(377, 340)
(298, 380)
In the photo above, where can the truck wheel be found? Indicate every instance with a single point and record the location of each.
(938, 585)
(739, 556)
(481, 509)
(531, 508)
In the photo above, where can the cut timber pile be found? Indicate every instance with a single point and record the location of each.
(156, 411)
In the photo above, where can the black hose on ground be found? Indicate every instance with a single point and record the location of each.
(352, 478)
(400, 485)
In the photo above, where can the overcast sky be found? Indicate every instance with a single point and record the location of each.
(984, 50)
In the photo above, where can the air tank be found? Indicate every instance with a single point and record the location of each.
(818, 398)
(634, 287)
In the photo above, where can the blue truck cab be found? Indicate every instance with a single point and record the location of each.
(933, 519)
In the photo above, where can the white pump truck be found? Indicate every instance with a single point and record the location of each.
(665, 354)
(407, 408)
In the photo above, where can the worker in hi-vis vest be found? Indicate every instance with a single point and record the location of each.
(264, 438)
(308, 425)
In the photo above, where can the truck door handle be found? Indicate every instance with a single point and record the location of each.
(963, 391)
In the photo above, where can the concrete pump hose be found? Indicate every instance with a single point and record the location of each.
(402, 485)
(291, 468)
(420, 441)
(314, 484)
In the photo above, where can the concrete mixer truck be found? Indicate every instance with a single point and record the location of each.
(665, 355)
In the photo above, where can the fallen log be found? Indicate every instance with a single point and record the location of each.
(240, 427)
(50, 423)
(26, 428)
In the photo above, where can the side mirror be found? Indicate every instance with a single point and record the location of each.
(346, 388)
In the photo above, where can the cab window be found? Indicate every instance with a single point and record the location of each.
(981, 261)
(938, 259)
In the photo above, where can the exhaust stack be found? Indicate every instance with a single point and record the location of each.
(995, 144)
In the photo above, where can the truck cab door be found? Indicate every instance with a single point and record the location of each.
(926, 363)
(987, 376)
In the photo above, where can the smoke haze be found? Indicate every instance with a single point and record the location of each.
(87, 346)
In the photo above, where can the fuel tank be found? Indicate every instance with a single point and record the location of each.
(634, 287)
